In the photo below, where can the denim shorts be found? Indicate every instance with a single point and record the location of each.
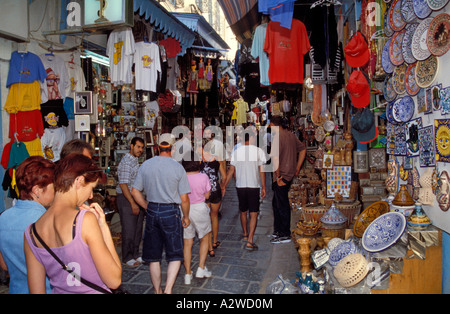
(163, 231)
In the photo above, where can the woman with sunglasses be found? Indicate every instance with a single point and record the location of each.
(76, 233)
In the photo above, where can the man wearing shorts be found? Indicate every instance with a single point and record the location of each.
(166, 187)
(247, 161)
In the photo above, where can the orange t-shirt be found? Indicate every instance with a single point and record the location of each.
(286, 49)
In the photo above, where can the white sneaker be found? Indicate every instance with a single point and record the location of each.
(132, 263)
(203, 272)
(187, 279)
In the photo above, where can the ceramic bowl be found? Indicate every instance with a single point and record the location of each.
(383, 232)
(342, 250)
(368, 215)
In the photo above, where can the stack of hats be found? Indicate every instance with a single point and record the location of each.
(357, 55)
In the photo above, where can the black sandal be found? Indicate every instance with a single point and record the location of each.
(211, 254)
(215, 245)
(252, 247)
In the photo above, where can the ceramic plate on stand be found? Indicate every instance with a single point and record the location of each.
(384, 232)
(438, 40)
(410, 80)
(419, 46)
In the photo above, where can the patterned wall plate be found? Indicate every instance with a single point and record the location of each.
(395, 16)
(383, 232)
(442, 139)
(388, 31)
(388, 88)
(403, 110)
(407, 11)
(437, 4)
(407, 41)
(438, 40)
(386, 62)
(398, 79)
(395, 48)
(421, 8)
(426, 71)
(419, 47)
(410, 80)
(389, 111)
(372, 212)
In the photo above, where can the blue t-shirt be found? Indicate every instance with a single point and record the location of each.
(258, 52)
(13, 223)
(25, 68)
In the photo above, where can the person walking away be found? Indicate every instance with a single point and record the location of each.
(34, 177)
(166, 187)
(198, 215)
(131, 214)
(76, 233)
(248, 161)
(288, 154)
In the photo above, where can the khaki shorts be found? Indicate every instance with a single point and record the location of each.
(200, 221)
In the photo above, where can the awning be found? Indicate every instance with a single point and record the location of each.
(163, 21)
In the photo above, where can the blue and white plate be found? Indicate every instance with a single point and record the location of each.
(422, 9)
(437, 4)
(407, 11)
(403, 110)
(388, 88)
(386, 62)
(406, 43)
(342, 250)
(419, 46)
(383, 232)
(389, 115)
(388, 31)
(395, 16)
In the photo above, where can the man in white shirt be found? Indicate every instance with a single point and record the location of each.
(248, 161)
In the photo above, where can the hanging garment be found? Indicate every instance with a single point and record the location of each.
(120, 49)
(25, 68)
(259, 53)
(23, 97)
(57, 79)
(147, 65)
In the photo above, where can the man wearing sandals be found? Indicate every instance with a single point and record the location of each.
(248, 160)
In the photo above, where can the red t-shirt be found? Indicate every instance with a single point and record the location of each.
(286, 49)
(172, 46)
(27, 124)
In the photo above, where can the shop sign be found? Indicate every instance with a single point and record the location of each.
(89, 14)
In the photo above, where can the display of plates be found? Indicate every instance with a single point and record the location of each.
(390, 111)
(368, 215)
(386, 62)
(388, 31)
(342, 250)
(383, 232)
(334, 243)
(426, 71)
(419, 46)
(438, 40)
(403, 110)
(395, 17)
(407, 41)
(398, 79)
(407, 11)
(388, 88)
(395, 48)
(410, 80)
(437, 4)
(421, 8)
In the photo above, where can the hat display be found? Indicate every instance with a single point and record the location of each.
(363, 126)
(395, 16)
(357, 51)
(359, 89)
(438, 40)
(426, 71)
(419, 47)
(421, 9)
(166, 137)
(437, 4)
(395, 48)
(407, 41)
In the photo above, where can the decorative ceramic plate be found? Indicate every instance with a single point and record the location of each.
(406, 43)
(398, 79)
(410, 80)
(438, 40)
(403, 110)
(395, 16)
(395, 48)
(319, 134)
(419, 46)
(388, 88)
(368, 215)
(388, 31)
(342, 250)
(386, 62)
(407, 11)
(334, 243)
(426, 71)
(390, 111)
(422, 9)
(437, 4)
(383, 232)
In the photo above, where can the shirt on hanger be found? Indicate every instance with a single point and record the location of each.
(27, 124)
(259, 53)
(56, 80)
(77, 81)
(120, 49)
(23, 97)
(52, 142)
(172, 46)
(53, 114)
(147, 65)
(286, 49)
(25, 68)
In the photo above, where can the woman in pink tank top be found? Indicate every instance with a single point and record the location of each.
(76, 233)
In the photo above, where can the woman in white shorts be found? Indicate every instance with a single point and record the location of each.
(199, 217)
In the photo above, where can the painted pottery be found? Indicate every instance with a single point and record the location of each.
(368, 215)
(403, 198)
(351, 270)
(383, 232)
(443, 195)
(418, 219)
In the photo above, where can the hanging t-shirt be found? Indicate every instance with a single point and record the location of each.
(76, 79)
(173, 71)
(147, 64)
(120, 49)
(56, 80)
(151, 113)
(241, 111)
(53, 114)
(23, 97)
(172, 46)
(259, 53)
(27, 124)
(52, 142)
(25, 68)
(286, 49)
(34, 147)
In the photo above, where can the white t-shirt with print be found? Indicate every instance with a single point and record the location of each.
(120, 49)
(147, 65)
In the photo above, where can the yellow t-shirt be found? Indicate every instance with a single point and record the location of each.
(23, 97)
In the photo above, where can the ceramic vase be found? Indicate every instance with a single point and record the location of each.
(305, 254)
(418, 219)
